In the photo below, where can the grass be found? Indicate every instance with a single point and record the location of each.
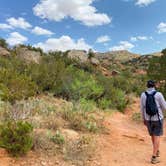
(137, 117)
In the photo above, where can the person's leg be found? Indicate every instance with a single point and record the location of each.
(156, 144)
(152, 138)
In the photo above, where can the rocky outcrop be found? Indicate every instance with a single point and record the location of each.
(109, 58)
(4, 52)
(78, 55)
(28, 55)
(94, 61)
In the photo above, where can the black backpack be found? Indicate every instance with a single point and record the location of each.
(151, 106)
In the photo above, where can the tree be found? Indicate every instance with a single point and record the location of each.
(90, 54)
(156, 70)
(3, 43)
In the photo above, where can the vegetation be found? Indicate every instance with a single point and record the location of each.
(59, 92)
(16, 137)
(3, 43)
(157, 70)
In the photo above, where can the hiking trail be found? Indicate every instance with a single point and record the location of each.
(128, 142)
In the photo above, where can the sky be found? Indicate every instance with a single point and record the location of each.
(138, 26)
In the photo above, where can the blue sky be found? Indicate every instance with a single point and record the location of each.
(104, 25)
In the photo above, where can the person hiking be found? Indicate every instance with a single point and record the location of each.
(152, 106)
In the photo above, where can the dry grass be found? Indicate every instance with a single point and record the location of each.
(79, 152)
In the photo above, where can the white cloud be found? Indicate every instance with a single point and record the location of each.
(136, 38)
(5, 26)
(142, 3)
(16, 38)
(133, 39)
(18, 23)
(161, 27)
(103, 39)
(79, 10)
(123, 45)
(63, 43)
(41, 31)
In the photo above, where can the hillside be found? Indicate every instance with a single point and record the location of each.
(142, 62)
(120, 56)
(71, 107)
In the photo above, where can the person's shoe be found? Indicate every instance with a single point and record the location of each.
(154, 160)
(158, 154)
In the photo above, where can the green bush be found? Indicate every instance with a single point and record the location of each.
(3, 43)
(92, 126)
(104, 103)
(119, 99)
(157, 72)
(113, 96)
(16, 137)
(79, 84)
(15, 86)
(58, 138)
(48, 75)
(13, 64)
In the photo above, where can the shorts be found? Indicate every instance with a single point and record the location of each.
(155, 128)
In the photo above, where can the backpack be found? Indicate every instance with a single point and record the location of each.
(151, 106)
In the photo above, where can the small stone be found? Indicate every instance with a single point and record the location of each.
(43, 163)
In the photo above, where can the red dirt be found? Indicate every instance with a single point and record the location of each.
(128, 142)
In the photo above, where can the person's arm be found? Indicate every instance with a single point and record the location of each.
(142, 108)
(162, 102)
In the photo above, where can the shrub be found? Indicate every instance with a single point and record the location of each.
(113, 96)
(42, 143)
(80, 151)
(119, 99)
(157, 72)
(137, 117)
(15, 86)
(81, 120)
(58, 138)
(3, 43)
(14, 64)
(16, 137)
(48, 74)
(104, 103)
(79, 84)
(92, 126)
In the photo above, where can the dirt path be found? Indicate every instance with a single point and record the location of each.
(127, 142)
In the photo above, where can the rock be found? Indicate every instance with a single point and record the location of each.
(43, 163)
(79, 55)
(28, 55)
(4, 52)
(115, 72)
(94, 61)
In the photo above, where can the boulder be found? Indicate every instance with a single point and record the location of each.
(95, 61)
(4, 52)
(78, 55)
(28, 55)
